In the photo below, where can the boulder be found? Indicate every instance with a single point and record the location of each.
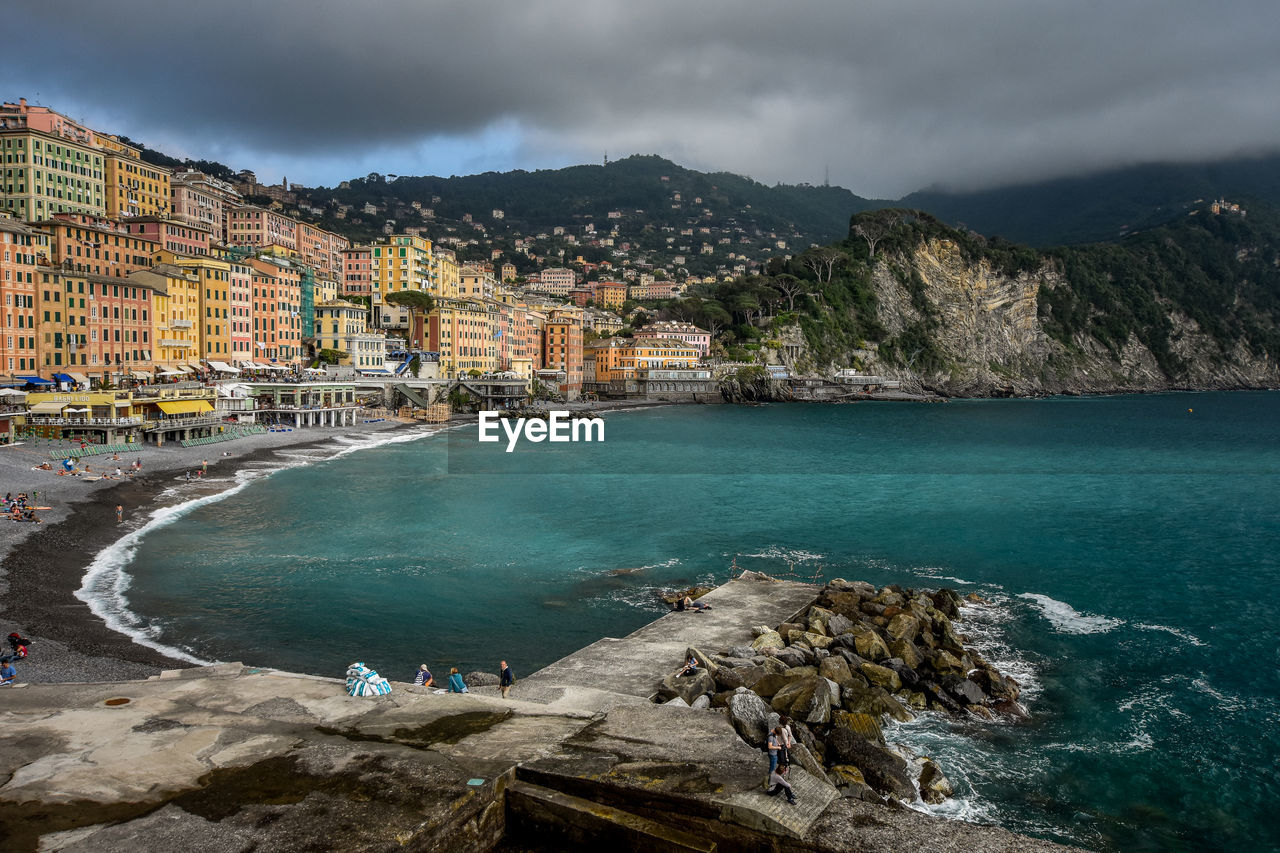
(982, 712)
(816, 641)
(701, 703)
(868, 644)
(997, 686)
(835, 668)
(807, 700)
(947, 602)
(757, 630)
(798, 672)
(906, 650)
(904, 626)
(882, 770)
(768, 640)
(850, 782)
(749, 674)
(889, 598)
(871, 608)
(749, 715)
(802, 757)
(676, 703)
(968, 693)
(875, 701)
(721, 699)
(819, 655)
(881, 676)
(741, 652)
(839, 624)
(835, 692)
(916, 700)
(934, 785)
(846, 604)
(818, 619)
(938, 698)
(791, 656)
(480, 679)
(944, 663)
(687, 687)
(727, 679)
(703, 660)
(773, 666)
(864, 725)
(786, 629)
(768, 685)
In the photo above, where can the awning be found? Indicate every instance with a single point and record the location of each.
(223, 367)
(47, 408)
(182, 368)
(79, 377)
(75, 411)
(12, 392)
(34, 380)
(123, 403)
(274, 367)
(184, 407)
(164, 371)
(62, 377)
(377, 371)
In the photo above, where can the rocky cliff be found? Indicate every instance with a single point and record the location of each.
(953, 317)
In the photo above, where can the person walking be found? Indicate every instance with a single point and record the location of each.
(119, 514)
(776, 744)
(505, 679)
(204, 467)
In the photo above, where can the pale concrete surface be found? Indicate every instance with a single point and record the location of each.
(619, 671)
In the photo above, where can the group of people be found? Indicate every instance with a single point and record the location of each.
(20, 508)
(18, 650)
(68, 468)
(455, 684)
(780, 743)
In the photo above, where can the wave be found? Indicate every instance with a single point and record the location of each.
(933, 573)
(794, 555)
(984, 625)
(1177, 632)
(1067, 620)
(106, 581)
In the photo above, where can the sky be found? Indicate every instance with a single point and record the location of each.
(884, 97)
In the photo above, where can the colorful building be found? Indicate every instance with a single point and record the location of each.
(134, 187)
(202, 200)
(562, 351)
(343, 326)
(611, 294)
(21, 248)
(101, 325)
(51, 164)
(699, 339)
(357, 274)
(557, 281)
(95, 244)
(464, 332)
(250, 225)
(176, 306)
(172, 235)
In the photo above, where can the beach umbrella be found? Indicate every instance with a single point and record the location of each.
(12, 392)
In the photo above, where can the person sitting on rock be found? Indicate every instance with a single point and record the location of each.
(690, 667)
(7, 674)
(778, 783)
(456, 684)
(423, 677)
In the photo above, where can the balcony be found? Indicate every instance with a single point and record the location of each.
(82, 422)
(180, 324)
(175, 343)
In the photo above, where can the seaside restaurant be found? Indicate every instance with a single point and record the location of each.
(107, 417)
(304, 404)
(177, 412)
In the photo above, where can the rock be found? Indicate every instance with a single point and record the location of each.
(835, 668)
(791, 656)
(787, 629)
(687, 687)
(995, 685)
(721, 699)
(749, 715)
(917, 701)
(881, 676)
(938, 698)
(882, 770)
(742, 652)
(768, 685)
(807, 700)
(703, 661)
(974, 598)
(947, 637)
(802, 757)
(851, 784)
(871, 608)
(727, 679)
(749, 675)
(906, 650)
(757, 630)
(982, 712)
(773, 666)
(890, 611)
(839, 624)
(947, 602)
(1010, 708)
(864, 725)
(676, 703)
(869, 645)
(768, 640)
(816, 641)
(944, 663)
(818, 619)
(904, 626)
(875, 701)
(701, 703)
(798, 672)
(889, 598)
(968, 693)
(934, 785)
(819, 655)
(835, 692)
(480, 679)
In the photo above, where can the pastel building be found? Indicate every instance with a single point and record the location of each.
(176, 305)
(95, 244)
(202, 200)
(250, 225)
(357, 275)
(134, 187)
(343, 326)
(100, 324)
(611, 294)
(21, 248)
(51, 164)
(562, 352)
(171, 234)
(556, 281)
(699, 339)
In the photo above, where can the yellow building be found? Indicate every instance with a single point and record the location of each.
(212, 320)
(175, 328)
(343, 326)
(463, 332)
(400, 263)
(611, 294)
(134, 187)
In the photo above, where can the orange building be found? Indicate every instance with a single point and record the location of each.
(611, 294)
(21, 248)
(562, 351)
(94, 244)
(99, 324)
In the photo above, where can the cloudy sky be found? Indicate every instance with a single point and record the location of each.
(890, 96)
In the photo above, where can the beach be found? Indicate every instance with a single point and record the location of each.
(44, 564)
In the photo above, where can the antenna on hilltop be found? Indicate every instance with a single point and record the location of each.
(826, 175)
(606, 158)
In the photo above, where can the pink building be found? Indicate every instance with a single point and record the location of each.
(200, 199)
(686, 332)
(248, 225)
(321, 249)
(240, 298)
(557, 281)
(357, 270)
(178, 237)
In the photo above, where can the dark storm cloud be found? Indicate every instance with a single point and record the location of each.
(889, 95)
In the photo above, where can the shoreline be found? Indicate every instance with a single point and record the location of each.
(43, 565)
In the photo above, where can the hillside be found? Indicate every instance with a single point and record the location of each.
(1192, 304)
(1102, 206)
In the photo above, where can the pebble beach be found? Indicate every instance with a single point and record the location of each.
(43, 564)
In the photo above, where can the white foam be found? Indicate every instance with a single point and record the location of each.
(794, 555)
(1177, 632)
(1067, 620)
(933, 573)
(106, 580)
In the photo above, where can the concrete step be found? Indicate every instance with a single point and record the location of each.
(758, 810)
(536, 812)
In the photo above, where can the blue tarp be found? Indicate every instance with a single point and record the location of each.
(34, 380)
(62, 377)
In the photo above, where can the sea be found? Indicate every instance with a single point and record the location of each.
(1124, 548)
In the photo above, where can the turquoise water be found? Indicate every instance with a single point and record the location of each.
(1128, 547)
